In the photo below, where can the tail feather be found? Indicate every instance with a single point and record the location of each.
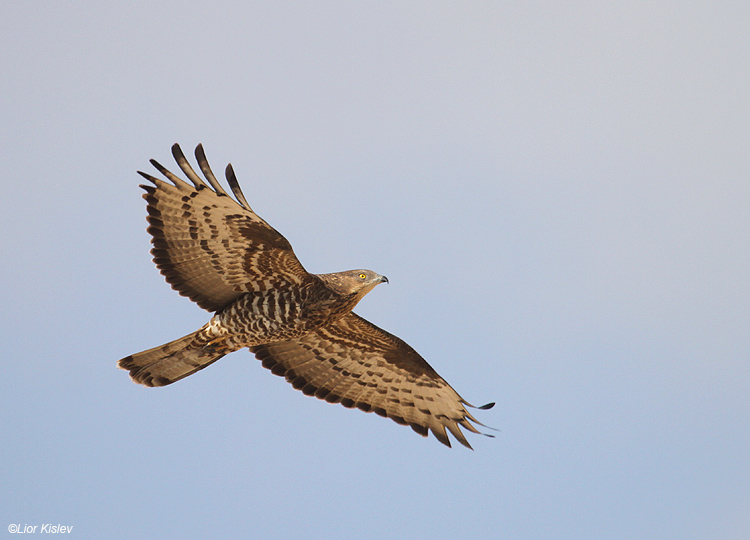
(172, 361)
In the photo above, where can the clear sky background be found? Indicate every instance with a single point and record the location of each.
(559, 195)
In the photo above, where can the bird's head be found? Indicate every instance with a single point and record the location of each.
(365, 280)
(358, 282)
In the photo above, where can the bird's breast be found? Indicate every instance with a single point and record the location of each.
(278, 315)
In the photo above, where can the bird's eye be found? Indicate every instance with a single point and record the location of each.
(362, 276)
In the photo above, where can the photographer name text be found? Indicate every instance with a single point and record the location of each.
(44, 528)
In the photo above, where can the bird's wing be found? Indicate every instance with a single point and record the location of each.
(209, 246)
(357, 364)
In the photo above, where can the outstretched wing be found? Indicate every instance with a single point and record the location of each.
(355, 363)
(209, 246)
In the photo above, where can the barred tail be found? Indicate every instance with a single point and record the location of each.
(171, 362)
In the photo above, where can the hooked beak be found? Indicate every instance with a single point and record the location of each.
(383, 279)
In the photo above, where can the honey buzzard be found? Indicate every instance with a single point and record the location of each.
(219, 253)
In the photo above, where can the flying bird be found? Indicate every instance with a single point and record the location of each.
(215, 250)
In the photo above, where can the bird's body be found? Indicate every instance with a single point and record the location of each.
(227, 259)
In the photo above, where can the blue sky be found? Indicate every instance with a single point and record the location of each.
(559, 195)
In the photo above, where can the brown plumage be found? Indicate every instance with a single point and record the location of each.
(219, 253)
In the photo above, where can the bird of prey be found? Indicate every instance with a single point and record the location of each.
(219, 253)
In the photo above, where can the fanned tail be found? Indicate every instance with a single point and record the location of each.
(172, 361)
